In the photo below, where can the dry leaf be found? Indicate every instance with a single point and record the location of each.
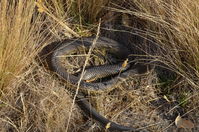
(40, 6)
(125, 63)
(108, 125)
(183, 123)
(165, 97)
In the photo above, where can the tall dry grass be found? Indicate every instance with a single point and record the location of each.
(72, 18)
(174, 27)
(33, 100)
(25, 104)
(19, 34)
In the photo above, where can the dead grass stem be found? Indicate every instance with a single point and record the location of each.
(33, 100)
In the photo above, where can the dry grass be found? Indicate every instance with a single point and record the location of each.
(174, 26)
(33, 100)
(18, 38)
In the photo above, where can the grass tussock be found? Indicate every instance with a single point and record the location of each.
(33, 100)
(176, 29)
(19, 35)
(25, 104)
(174, 26)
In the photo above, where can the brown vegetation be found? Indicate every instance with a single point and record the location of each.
(32, 99)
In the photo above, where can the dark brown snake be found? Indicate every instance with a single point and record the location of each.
(66, 46)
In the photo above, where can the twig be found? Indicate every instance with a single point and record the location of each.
(82, 73)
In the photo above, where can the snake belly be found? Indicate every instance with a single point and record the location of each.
(65, 47)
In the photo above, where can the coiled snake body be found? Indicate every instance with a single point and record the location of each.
(65, 47)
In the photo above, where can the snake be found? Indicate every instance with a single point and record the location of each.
(70, 45)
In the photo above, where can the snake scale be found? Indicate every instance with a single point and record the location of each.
(57, 49)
